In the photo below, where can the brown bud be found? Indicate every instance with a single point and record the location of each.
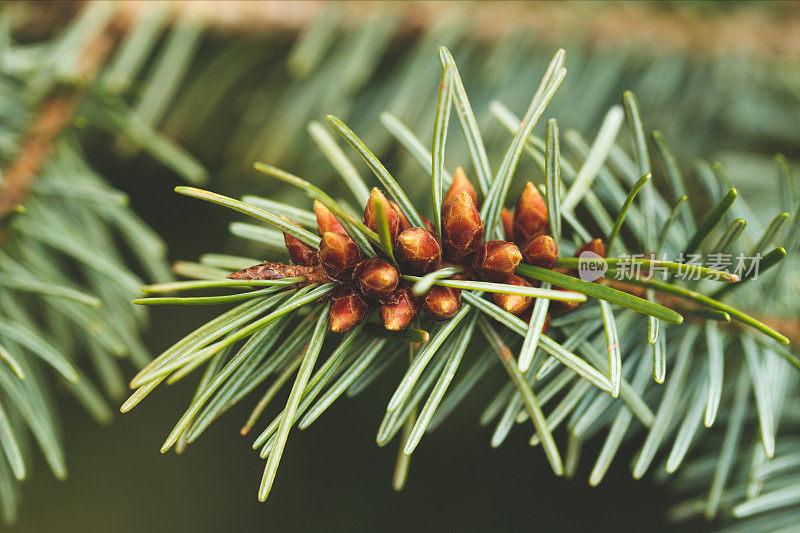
(564, 307)
(507, 217)
(541, 251)
(530, 216)
(325, 220)
(404, 223)
(460, 184)
(462, 227)
(377, 278)
(595, 246)
(546, 324)
(496, 260)
(513, 303)
(528, 314)
(418, 251)
(391, 215)
(338, 255)
(300, 252)
(428, 224)
(348, 308)
(399, 309)
(442, 303)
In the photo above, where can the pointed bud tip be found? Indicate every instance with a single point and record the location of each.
(325, 220)
(462, 227)
(392, 214)
(530, 214)
(460, 184)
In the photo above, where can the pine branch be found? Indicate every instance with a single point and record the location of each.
(566, 363)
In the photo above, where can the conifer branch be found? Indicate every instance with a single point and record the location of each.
(54, 114)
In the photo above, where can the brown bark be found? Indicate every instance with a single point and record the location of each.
(54, 114)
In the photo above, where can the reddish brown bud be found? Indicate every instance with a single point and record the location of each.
(514, 304)
(300, 252)
(391, 215)
(462, 227)
(348, 308)
(338, 255)
(595, 246)
(496, 260)
(325, 220)
(527, 315)
(418, 251)
(541, 251)
(460, 184)
(267, 271)
(530, 216)
(399, 309)
(377, 278)
(428, 224)
(507, 217)
(404, 223)
(442, 303)
(546, 324)
(564, 307)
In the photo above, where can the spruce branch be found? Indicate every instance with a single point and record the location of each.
(583, 409)
(483, 289)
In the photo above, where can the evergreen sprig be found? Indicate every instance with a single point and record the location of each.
(565, 365)
(135, 95)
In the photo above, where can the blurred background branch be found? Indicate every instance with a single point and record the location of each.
(749, 27)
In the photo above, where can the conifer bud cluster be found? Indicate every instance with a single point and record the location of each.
(376, 281)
